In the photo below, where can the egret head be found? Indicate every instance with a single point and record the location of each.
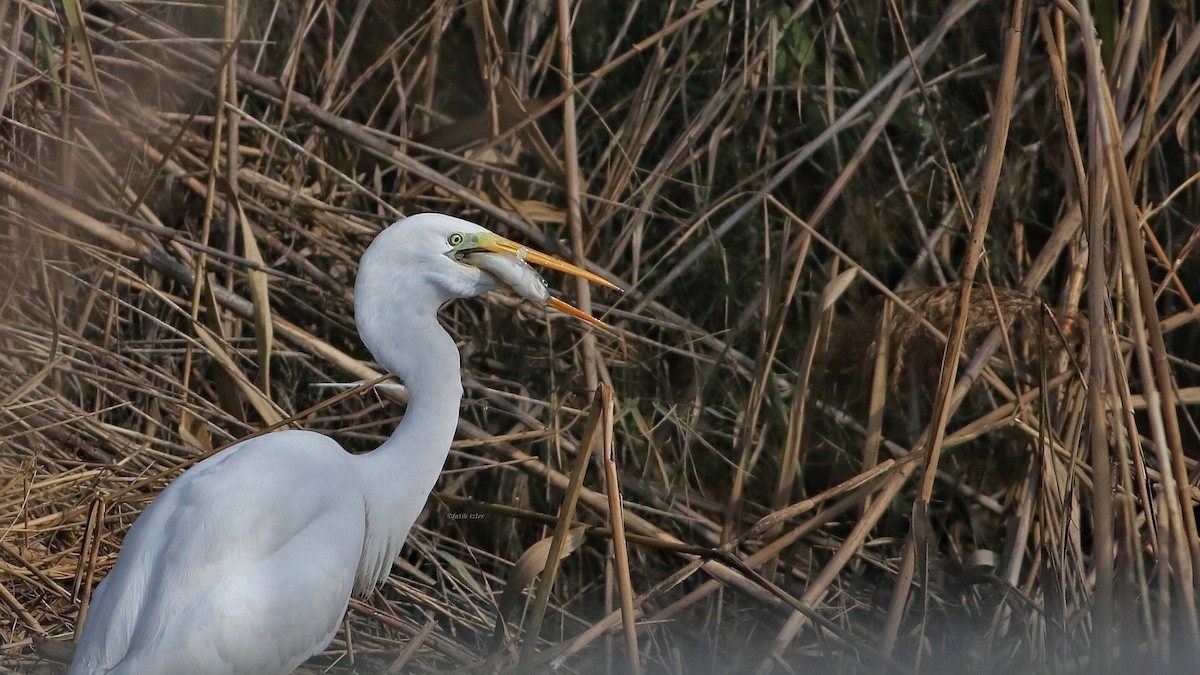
(455, 258)
(422, 261)
(412, 256)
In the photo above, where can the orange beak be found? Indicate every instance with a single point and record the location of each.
(508, 262)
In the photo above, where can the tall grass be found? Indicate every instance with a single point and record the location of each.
(904, 379)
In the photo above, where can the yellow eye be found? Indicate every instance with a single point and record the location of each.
(455, 239)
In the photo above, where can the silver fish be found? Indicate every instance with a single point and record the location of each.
(513, 273)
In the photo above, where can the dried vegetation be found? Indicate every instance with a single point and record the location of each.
(904, 380)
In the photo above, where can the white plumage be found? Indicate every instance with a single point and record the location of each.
(246, 562)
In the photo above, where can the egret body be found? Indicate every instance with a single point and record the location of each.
(246, 562)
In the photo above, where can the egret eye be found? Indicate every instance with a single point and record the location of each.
(455, 239)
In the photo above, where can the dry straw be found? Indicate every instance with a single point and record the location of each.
(905, 379)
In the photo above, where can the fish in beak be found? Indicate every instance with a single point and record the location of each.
(508, 263)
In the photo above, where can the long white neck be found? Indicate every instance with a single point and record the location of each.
(397, 475)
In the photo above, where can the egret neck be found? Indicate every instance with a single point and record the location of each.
(404, 335)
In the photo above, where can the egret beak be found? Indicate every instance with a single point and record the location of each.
(508, 262)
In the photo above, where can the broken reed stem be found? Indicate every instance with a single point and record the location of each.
(616, 518)
(89, 552)
(566, 516)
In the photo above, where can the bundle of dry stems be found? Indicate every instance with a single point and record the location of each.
(904, 380)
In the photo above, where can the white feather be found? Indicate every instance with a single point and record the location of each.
(246, 562)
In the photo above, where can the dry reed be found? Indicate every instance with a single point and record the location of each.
(904, 380)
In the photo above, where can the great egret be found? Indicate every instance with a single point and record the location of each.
(246, 562)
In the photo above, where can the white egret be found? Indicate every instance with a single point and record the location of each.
(246, 562)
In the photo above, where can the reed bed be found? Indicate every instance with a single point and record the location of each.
(904, 379)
